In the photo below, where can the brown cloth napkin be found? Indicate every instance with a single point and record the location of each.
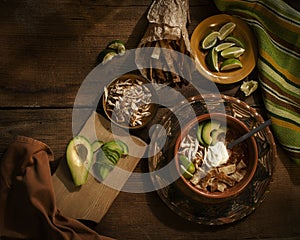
(27, 200)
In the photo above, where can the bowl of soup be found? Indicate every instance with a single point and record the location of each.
(208, 169)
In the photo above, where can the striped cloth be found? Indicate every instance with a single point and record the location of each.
(277, 29)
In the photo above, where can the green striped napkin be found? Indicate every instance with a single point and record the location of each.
(277, 29)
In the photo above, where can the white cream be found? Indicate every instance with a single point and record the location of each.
(215, 156)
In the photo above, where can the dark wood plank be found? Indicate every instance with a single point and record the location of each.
(277, 216)
(47, 50)
(54, 127)
(69, 19)
(53, 51)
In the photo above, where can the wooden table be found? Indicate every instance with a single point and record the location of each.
(48, 48)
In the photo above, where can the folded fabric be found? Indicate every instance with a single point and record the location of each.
(27, 198)
(277, 28)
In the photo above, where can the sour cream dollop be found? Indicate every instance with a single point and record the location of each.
(215, 155)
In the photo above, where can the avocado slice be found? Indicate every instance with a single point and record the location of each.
(108, 156)
(218, 135)
(116, 145)
(96, 145)
(106, 55)
(103, 165)
(199, 134)
(79, 155)
(112, 148)
(123, 146)
(118, 46)
(207, 130)
(102, 169)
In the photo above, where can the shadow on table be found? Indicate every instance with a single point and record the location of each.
(292, 168)
(169, 218)
(138, 32)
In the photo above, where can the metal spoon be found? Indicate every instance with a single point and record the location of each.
(249, 134)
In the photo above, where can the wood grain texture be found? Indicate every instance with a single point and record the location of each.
(95, 197)
(275, 218)
(51, 126)
(47, 50)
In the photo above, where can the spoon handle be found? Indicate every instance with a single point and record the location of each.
(249, 134)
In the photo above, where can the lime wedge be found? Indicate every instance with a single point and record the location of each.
(212, 60)
(223, 46)
(186, 173)
(118, 45)
(231, 63)
(232, 52)
(226, 29)
(106, 55)
(210, 40)
(235, 40)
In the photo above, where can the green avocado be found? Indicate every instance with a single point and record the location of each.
(118, 46)
(199, 134)
(108, 156)
(106, 55)
(79, 155)
(123, 146)
(96, 145)
(207, 131)
(217, 135)
(103, 169)
(114, 147)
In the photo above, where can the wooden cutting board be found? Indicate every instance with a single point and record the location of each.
(92, 200)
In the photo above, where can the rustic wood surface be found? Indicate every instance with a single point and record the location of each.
(96, 197)
(47, 50)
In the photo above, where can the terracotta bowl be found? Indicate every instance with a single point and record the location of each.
(250, 159)
(111, 111)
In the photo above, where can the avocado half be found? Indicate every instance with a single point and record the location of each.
(79, 155)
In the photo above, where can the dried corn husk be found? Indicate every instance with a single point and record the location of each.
(167, 30)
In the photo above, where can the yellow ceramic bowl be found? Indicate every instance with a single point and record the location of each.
(242, 31)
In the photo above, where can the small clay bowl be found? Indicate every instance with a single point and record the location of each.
(152, 106)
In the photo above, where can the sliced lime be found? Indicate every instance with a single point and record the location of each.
(232, 52)
(212, 60)
(185, 173)
(231, 63)
(210, 40)
(235, 40)
(106, 55)
(189, 166)
(226, 29)
(118, 45)
(223, 46)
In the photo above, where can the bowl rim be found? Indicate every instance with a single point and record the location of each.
(238, 187)
(153, 102)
